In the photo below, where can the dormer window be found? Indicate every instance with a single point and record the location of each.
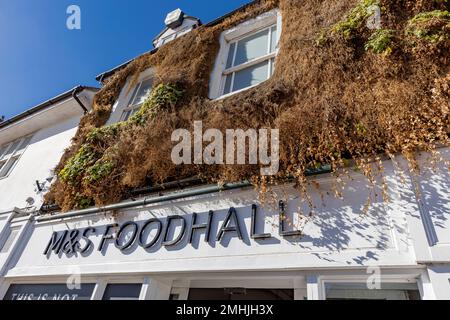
(247, 55)
(177, 24)
(140, 93)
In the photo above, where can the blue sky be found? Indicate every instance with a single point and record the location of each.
(40, 58)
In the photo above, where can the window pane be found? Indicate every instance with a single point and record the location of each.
(142, 93)
(23, 145)
(3, 150)
(48, 292)
(9, 241)
(9, 167)
(252, 47)
(13, 147)
(125, 115)
(227, 88)
(240, 294)
(273, 43)
(135, 90)
(134, 111)
(251, 76)
(126, 291)
(359, 291)
(183, 31)
(231, 55)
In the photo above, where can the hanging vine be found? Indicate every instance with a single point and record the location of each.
(342, 94)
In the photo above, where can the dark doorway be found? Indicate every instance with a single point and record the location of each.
(240, 294)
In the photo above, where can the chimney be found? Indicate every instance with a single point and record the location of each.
(174, 19)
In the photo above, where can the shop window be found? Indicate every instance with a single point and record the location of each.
(247, 55)
(140, 93)
(10, 154)
(359, 291)
(122, 291)
(49, 292)
(240, 294)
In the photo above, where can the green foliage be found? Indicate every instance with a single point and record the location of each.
(76, 165)
(426, 16)
(99, 170)
(432, 26)
(322, 38)
(380, 41)
(355, 18)
(90, 164)
(361, 129)
(163, 96)
(83, 202)
(104, 133)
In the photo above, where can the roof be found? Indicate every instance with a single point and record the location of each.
(46, 104)
(110, 72)
(222, 18)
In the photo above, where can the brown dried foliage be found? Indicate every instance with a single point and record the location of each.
(329, 102)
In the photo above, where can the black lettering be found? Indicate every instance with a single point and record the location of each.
(130, 242)
(167, 242)
(225, 225)
(72, 245)
(206, 226)
(253, 233)
(106, 235)
(85, 237)
(55, 243)
(155, 239)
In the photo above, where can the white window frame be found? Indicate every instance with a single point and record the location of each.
(139, 281)
(227, 38)
(131, 109)
(234, 69)
(351, 279)
(175, 35)
(10, 156)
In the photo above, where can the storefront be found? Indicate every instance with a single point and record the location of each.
(200, 244)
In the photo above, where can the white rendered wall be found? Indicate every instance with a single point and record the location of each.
(340, 235)
(36, 163)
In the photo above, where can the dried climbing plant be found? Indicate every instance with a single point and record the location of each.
(341, 93)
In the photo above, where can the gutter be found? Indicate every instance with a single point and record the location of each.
(75, 96)
(145, 201)
(45, 105)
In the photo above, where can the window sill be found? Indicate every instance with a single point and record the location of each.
(222, 97)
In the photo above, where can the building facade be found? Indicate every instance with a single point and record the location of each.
(211, 242)
(31, 145)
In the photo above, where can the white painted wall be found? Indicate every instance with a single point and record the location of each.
(340, 235)
(339, 242)
(36, 163)
(440, 278)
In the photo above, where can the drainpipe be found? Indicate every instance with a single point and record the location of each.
(146, 201)
(74, 95)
